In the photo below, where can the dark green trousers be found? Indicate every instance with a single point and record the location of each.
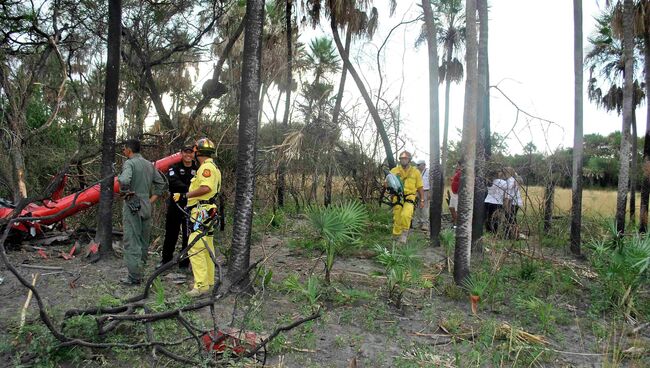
(136, 242)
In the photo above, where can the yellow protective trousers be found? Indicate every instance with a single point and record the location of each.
(199, 253)
(402, 215)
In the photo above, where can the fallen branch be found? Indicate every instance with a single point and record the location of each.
(23, 312)
(41, 267)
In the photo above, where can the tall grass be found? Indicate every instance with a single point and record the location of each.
(595, 202)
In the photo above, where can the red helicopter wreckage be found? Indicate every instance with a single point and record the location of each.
(54, 210)
(57, 208)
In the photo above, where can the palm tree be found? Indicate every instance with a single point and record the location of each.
(435, 192)
(248, 109)
(111, 94)
(335, 120)
(483, 129)
(628, 108)
(322, 57)
(462, 252)
(608, 58)
(645, 185)
(323, 60)
(451, 36)
(352, 14)
(347, 13)
(287, 102)
(576, 179)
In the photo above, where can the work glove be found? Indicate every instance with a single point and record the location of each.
(179, 196)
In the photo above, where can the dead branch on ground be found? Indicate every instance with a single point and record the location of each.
(136, 311)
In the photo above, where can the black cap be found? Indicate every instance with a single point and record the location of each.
(187, 147)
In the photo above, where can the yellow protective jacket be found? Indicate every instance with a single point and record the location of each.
(411, 178)
(209, 175)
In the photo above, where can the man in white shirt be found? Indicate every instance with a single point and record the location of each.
(421, 220)
(494, 202)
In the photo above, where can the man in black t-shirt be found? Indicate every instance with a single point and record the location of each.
(179, 177)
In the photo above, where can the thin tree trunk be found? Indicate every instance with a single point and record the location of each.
(335, 122)
(645, 184)
(576, 179)
(111, 94)
(313, 191)
(329, 173)
(264, 88)
(549, 195)
(628, 106)
(381, 130)
(462, 252)
(445, 134)
(136, 126)
(483, 128)
(154, 93)
(282, 167)
(633, 170)
(344, 74)
(18, 161)
(246, 157)
(435, 174)
(214, 81)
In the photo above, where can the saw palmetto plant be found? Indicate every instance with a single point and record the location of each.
(337, 227)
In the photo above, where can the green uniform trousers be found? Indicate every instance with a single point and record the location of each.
(136, 242)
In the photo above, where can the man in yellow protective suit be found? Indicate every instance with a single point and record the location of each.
(403, 207)
(203, 213)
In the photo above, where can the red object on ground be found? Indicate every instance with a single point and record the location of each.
(68, 206)
(93, 248)
(70, 255)
(41, 252)
(230, 342)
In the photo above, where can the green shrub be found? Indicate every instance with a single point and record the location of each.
(337, 226)
(310, 290)
(541, 310)
(477, 283)
(402, 267)
(622, 268)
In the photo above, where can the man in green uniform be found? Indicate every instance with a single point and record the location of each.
(203, 211)
(140, 185)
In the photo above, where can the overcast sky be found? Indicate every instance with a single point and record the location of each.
(531, 60)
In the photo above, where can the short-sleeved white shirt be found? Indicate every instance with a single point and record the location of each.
(496, 192)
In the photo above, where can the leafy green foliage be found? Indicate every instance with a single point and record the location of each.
(83, 327)
(402, 267)
(477, 283)
(310, 290)
(348, 295)
(159, 292)
(447, 241)
(622, 269)
(46, 348)
(263, 276)
(337, 226)
(542, 310)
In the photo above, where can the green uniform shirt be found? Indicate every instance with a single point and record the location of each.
(141, 177)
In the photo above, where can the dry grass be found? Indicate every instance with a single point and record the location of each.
(595, 202)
